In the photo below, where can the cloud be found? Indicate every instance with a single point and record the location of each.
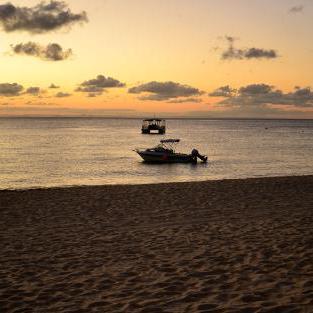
(34, 91)
(51, 52)
(53, 86)
(10, 90)
(40, 103)
(186, 100)
(232, 53)
(62, 94)
(224, 91)
(255, 89)
(94, 94)
(159, 91)
(42, 18)
(260, 53)
(258, 95)
(296, 9)
(95, 87)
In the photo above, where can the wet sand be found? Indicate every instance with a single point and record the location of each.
(220, 246)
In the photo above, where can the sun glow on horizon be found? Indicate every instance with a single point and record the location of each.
(174, 55)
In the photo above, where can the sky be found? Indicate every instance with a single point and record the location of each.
(199, 58)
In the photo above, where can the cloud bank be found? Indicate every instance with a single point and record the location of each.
(51, 52)
(42, 18)
(264, 95)
(160, 91)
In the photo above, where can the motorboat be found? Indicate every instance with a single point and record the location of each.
(165, 153)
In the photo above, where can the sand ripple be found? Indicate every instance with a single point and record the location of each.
(236, 246)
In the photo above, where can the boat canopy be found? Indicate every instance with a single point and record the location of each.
(169, 140)
(153, 120)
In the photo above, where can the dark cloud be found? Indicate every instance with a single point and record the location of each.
(103, 82)
(159, 91)
(260, 53)
(62, 94)
(264, 95)
(42, 18)
(255, 89)
(232, 53)
(95, 87)
(34, 91)
(296, 9)
(51, 52)
(53, 86)
(10, 90)
(301, 97)
(224, 91)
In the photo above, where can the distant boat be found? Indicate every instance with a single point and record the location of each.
(152, 125)
(165, 153)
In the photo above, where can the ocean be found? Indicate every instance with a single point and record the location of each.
(50, 152)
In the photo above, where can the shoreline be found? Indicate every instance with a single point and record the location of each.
(38, 188)
(239, 246)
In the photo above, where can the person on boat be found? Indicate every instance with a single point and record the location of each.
(194, 152)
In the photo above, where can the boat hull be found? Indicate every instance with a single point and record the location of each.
(161, 157)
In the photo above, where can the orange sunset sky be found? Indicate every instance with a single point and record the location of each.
(200, 58)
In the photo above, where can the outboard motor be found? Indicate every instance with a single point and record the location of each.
(195, 154)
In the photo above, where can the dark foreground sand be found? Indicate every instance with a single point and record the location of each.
(224, 246)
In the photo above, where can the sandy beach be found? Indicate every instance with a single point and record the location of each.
(217, 246)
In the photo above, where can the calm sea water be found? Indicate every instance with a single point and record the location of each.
(45, 152)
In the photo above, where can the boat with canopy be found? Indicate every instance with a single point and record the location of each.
(165, 152)
(153, 125)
